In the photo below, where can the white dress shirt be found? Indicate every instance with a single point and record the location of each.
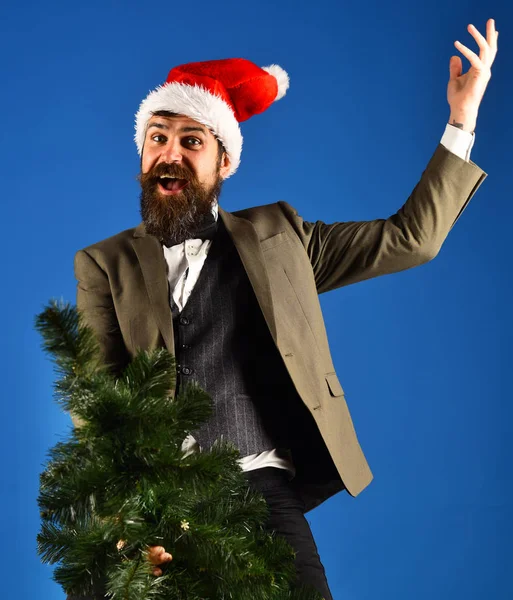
(186, 260)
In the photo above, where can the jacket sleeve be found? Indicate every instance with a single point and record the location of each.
(348, 252)
(96, 307)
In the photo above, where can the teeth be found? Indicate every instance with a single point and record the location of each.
(167, 177)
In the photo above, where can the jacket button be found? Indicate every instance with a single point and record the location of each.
(185, 346)
(184, 321)
(187, 370)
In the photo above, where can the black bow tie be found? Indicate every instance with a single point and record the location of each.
(205, 231)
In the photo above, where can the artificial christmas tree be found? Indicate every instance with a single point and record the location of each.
(121, 483)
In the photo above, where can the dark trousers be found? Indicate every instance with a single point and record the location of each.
(287, 519)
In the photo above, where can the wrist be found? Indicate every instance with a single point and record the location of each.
(463, 121)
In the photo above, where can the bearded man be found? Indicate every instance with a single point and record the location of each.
(222, 291)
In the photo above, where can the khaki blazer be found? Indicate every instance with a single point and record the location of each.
(123, 294)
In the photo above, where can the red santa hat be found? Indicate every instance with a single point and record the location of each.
(220, 94)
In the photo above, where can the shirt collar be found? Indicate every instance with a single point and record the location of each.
(215, 210)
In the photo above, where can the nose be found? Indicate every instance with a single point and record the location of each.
(172, 152)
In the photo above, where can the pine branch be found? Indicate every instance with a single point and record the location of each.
(133, 580)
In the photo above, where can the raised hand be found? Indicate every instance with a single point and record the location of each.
(465, 91)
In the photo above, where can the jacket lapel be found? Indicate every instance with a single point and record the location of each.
(245, 238)
(154, 269)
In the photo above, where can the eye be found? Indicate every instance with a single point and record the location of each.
(159, 138)
(192, 141)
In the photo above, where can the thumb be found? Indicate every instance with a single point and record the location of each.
(455, 67)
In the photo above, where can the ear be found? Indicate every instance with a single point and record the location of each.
(225, 165)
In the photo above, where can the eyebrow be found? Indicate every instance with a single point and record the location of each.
(182, 130)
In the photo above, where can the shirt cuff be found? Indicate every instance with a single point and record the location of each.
(457, 141)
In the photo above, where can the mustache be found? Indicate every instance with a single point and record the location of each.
(171, 169)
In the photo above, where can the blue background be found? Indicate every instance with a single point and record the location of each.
(424, 355)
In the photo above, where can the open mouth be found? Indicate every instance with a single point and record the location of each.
(171, 184)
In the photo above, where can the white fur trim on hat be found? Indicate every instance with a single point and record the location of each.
(197, 103)
(281, 77)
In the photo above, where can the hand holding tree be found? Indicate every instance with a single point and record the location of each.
(157, 555)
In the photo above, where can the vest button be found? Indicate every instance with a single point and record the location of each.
(187, 370)
(184, 321)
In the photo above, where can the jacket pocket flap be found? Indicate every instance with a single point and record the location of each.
(274, 240)
(334, 384)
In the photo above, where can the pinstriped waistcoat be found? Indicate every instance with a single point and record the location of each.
(223, 343)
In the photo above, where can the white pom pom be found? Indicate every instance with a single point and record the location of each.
(281, 77)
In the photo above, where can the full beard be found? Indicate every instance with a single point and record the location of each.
(174, 219)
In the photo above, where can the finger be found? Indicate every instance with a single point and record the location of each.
(165, 557)
(455, 67)
(154, 554)
(481, 42)
(161, 557)
(474, 60)
(491, 33)
(157, 572)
